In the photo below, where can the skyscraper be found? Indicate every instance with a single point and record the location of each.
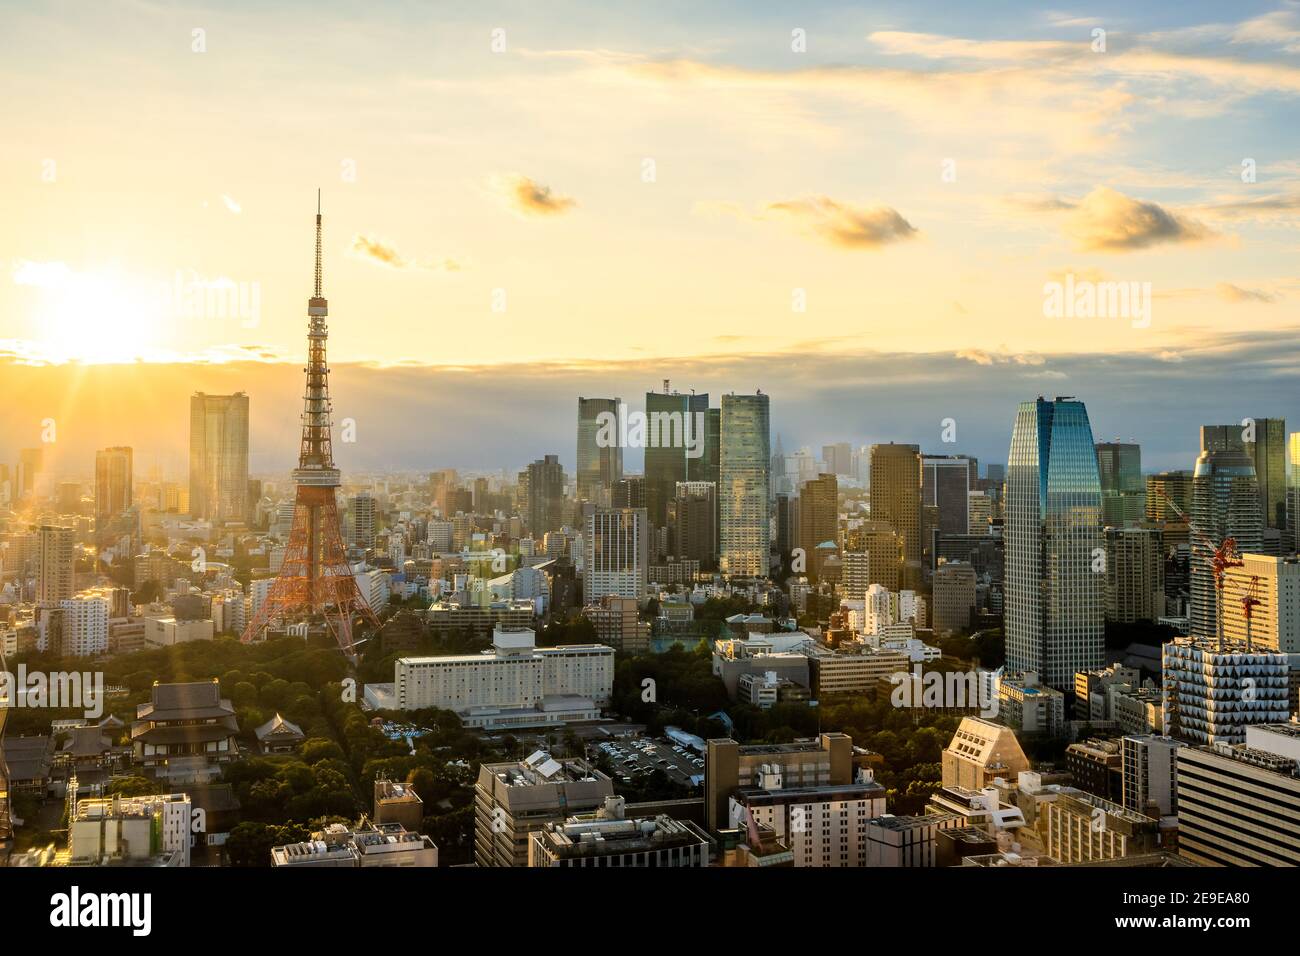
(219, 457)
(745, 460)
(617, 558)
(1168, 486)
(1225, 504)
(672, 418)
(363, 521)
(819, 523)
(113, 493)
(896, 498)
(30, 465)
(694, 517)
(545, 495)
(55, 567)
(1293, 487)
(1055, 585)
(1268, 452)
(599, 464)
(1123, 492)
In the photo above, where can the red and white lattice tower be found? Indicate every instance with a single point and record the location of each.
(315, 581)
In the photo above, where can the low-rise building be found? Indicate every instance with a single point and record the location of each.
(608, 838)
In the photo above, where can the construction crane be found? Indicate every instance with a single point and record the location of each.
(1221, 557)
(1249, 602)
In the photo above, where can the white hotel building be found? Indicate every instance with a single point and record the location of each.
(515, 684)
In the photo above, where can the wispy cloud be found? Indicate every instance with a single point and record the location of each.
(385, 254)
(844, 224)
(528, 197)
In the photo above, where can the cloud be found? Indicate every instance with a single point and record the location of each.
(383, 253)
(1235, 293)
(998, 357)
(844, 224)
(529, 197)
(1109, 221)
(232, 205)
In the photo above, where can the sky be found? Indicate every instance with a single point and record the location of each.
(859, 208)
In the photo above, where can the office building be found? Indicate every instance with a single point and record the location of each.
(1084, 828)
(819, 524)
(825, 825)
(618, 624)
(130, 831)
(693, 517)
(729, 766)
(907, 841)
(516, 685)
(600, 453)
(543, 485)
(745, 460)
(1135, 574)
(367, 845)
(945, 487)
(1225, 504)
(980, 508)
(1265, 443)
(1240, 805)
(516, 799)
(979, 753)
(1272, 586)
(363, 526)
(1167, 486)
(1054, 593)
(674, 423)
(609, 838)
(616, 542)
(1149, 769)
(953, 597)
(113, 492)
(877, 558)
(219, 457)
(1213, 692)
(1026, 705)
(895, 496)
(1123, 490)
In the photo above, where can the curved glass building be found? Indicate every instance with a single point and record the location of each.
(1055, 552)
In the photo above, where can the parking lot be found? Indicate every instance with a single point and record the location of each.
(640, 756)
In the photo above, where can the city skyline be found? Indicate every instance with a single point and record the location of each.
(717, 436)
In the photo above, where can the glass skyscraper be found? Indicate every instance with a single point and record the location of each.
(598, 467)
(1123, 491)
(1055, 553)
(1225, 504)
(745, 453)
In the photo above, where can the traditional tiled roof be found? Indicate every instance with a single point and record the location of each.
(277, 726)
(197, 701)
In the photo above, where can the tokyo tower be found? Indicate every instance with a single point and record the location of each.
(315, 580)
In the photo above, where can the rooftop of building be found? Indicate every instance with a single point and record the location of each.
(540, 768)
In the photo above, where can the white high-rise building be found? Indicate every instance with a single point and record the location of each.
(1055, 554)
(85, 624)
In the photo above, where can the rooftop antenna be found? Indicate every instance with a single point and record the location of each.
(318, 243)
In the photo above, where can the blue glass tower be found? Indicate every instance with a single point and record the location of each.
(1055, 551)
